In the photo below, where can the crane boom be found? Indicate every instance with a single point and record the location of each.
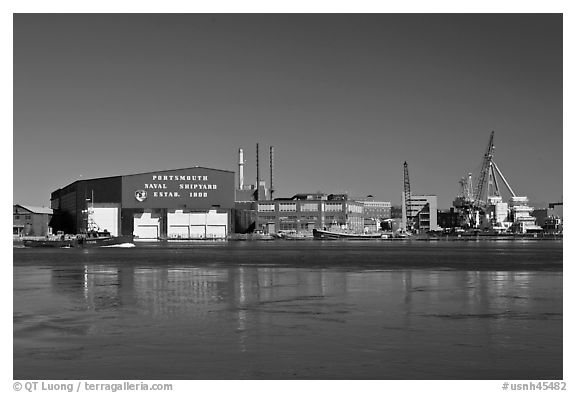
(407, 194)
(494, 180)
(504, 180)
(484, 172)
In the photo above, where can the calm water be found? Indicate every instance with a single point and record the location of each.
(284, 310)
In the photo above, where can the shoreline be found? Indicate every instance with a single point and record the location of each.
(18, 243)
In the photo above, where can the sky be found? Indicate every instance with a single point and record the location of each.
(344, 99)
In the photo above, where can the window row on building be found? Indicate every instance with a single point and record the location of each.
(307, 215)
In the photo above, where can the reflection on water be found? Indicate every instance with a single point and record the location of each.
(105, 319)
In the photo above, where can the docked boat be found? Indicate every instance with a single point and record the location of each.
(95, 237)
(54, 241)
(101, 239)
(325, 234)
(85, 240)
(91, 237)
(298, 236)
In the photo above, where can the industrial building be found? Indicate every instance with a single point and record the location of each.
(257, 210)
(31, 220)
(551, 218)
(420, 212)
(449, 219)
(481, 202)
(305, 212)
(375, 213)
(245, 196)
(375, 210)
(188, 203)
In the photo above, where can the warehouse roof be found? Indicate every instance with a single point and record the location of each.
(142, 173)
(179, 169)
(36, 209)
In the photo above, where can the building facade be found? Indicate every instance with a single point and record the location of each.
(305, 212)
(423, 212)
(375, 210)
(449, 219)
(188, 203)
(31, 220)
(549, 219)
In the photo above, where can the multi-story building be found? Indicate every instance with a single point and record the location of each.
(376, 210)
(31, 220)
(550, 219)
(557, 209)
(521, 215)
(423, 212)
(449, 219)
(304, 212)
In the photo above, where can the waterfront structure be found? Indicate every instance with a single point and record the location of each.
(496, 212)
(188, 203)
(481, 204)
(550, 219)
(375, 210)
(449, 219)
(520, 215)
(557, 209)
(31, 220)
(305, 212)
(423, 212)
(246, 195)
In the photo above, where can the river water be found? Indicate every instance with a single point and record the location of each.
(291, 310)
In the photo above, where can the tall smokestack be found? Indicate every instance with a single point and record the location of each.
(240, 169)
(271, 172)
(257, 172)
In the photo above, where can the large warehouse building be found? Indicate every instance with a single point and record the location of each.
(189, 203)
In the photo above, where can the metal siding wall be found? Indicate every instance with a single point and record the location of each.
(72, 200)
(127, 220)
(222, 196)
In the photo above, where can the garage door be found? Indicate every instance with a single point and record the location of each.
(197, 231)
(178, 223)
(215, 231)
(197, 225)
(146, 231)
(146, 225)
(178, 232)
(106, 218)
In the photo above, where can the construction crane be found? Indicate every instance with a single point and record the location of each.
(476, 198)
(484, 175)
(407, 198)
(466, 189)
(487, 181)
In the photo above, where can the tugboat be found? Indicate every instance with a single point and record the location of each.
(94, 237)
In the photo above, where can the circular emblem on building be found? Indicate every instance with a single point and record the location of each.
(140, 195)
